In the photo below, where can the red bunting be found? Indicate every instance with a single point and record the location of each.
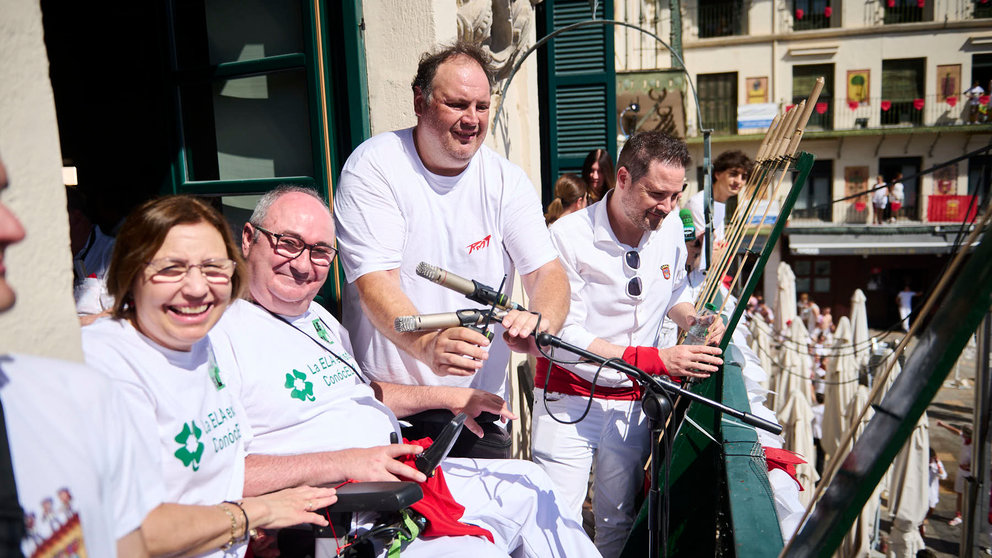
(918, 104)
(886, 105)
(951, 101)
(853, 105)
(800, 13)
(828, 11)
(821, 108)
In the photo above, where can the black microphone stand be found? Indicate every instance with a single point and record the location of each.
(657, 405)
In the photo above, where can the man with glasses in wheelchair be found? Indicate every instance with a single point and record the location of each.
(316, 418)
(625, 258)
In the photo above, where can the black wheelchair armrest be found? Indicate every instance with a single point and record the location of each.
(376, 496)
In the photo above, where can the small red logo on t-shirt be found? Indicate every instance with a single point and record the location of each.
(479, 245)
(666, 271)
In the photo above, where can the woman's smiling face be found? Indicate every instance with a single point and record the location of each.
(178, 314)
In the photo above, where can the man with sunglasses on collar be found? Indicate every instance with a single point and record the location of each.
(625, 258)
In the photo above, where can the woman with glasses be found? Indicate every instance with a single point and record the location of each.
(174, 271)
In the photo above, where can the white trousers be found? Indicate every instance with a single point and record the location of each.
(904, 313)
(614, 436)
(515, 500)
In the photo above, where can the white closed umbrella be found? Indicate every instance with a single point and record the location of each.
(859, 325)
(761, 344)
(909, 492)
(841, 379)
(797, 420)
(857, 542)
(795, 372)
(785, 300)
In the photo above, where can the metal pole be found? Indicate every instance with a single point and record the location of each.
(707, 199)
(976, 501)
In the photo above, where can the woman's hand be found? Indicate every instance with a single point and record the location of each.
(288, 507)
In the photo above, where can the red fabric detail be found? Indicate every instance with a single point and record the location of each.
(921, 3)
(785, 460)
(439, 506)
(918, 104)
(983, 99)
(951, 101)
(645, 358)
(896, 206)
(789, 107)
(564, 381)
(820, 108)
(828, 11)
(860, 206)
(727, 280)
(800, 13)
(886, 105)
(891, 3)
(91, 276)
(854, 105)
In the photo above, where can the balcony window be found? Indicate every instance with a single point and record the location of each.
(814, 200)
(890, 167)
(718, 101)
(812, 14)
(720, 18)
(983, 9)
(908, 11)
(803, 79)
(902, 91)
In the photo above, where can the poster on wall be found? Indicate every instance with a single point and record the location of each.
(856, 181)
(857, 86)
(757, 90)
(948, 81)
(945, 179)
(660, 100)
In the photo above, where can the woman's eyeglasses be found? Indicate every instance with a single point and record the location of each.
(168, 270)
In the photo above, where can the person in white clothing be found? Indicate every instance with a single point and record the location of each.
(435, 194)
(173, 272)
(974, 94)
(904, 300)
(91, 251)
(730, 172)
(316, 417)
(897, 194)
(880, 200)
(625, 257)
(71, 441)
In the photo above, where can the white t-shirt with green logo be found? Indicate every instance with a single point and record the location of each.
(79, 465)
(195, 425)
(298, 393)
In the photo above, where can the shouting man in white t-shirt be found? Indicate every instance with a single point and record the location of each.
(316, 418)
(730, 172)
(434, 193)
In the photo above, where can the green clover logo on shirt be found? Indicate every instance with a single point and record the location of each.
(190, 447)
(302, 389)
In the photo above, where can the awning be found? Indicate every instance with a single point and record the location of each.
(870, 244)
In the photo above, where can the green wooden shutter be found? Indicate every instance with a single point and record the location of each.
(578, 89)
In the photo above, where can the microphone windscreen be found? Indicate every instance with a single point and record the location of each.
(429, 272)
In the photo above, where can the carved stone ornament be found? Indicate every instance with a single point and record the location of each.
(501, 27)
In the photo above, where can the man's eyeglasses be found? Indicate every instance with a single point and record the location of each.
(290, 246)
(632, 260)
(167, 270)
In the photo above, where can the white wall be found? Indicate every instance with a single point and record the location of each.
(43, 321)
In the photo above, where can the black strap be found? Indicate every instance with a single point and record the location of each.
(11, 514)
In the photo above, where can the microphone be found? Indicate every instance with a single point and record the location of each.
(444, 320)
(473, 290)
(688, 226)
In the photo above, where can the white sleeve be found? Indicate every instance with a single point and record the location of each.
(695, 205)
(370, 227)
(134, 484)
(525, 234)
(573, 331)
(681, 292)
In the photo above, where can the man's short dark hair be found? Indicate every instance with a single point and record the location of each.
(431, 61)
(645, 147)
(732, 160)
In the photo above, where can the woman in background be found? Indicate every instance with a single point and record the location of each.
(570, 196)
(597, 171)
(173, 273)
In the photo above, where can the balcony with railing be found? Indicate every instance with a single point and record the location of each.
(811, 14)
(719, 19)
(931, 110)
(907, 11)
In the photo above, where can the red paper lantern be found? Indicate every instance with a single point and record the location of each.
(886, 105)
(853, 105)
(828, 11)
(952, 101)
(918, 104)
(821, 108)
(800, 13)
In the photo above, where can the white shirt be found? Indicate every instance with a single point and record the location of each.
(79, 464)
(897, 192)
(974, 93)
(905, 299)
(392, 213)
(880, 197)
(695, 204)
(298, 394)
(195, 428)
(600, 306)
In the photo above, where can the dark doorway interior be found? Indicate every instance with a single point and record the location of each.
(889, 167)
